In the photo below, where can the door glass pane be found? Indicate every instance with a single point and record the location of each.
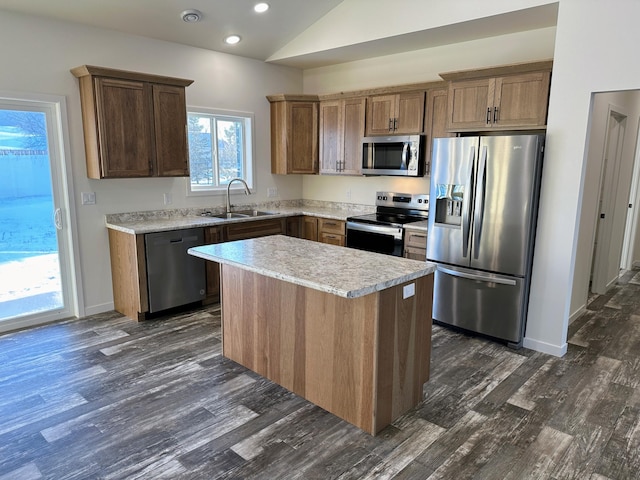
(29, 261)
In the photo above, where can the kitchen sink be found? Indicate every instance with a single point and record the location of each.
(238, 214)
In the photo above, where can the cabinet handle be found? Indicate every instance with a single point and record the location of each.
(495, 114)
(395, 124)
(391, 124)
(418, 235)
(488, 115)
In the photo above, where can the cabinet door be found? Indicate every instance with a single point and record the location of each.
(470, 104)
(310, 228)
(294, 226)
(302, 156)
(170, 121)
(380, 112)
(353, 116)
(521, 100)
(435, 120)
(125, 128)
(409, 116)
(213, 235)
(331, 134)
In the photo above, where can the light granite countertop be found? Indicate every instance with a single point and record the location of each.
(142, 223)
(422, 225)
(341, 271)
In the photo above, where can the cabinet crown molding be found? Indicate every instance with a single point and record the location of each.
(514, 68)
(91, 70)
(292, 97)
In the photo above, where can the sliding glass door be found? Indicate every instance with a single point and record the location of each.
(34, 241)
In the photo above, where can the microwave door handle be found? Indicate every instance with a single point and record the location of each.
(466, 212)
(478, 216)
(405, 151)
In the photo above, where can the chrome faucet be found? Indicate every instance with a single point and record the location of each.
(246, 190)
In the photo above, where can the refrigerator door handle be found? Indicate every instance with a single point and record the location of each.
(466, 213)
(476, 276)
(479, 204)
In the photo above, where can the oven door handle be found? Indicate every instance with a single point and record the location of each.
(365, 227)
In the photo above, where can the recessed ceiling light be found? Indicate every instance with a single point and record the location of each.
(191, 16)
(261, 7)
(232, 39)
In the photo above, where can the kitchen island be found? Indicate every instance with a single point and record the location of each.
(346, 329)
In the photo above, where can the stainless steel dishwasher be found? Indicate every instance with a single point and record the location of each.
(174, 277)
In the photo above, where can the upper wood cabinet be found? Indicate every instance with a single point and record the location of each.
(500, 102)
(134, 123)
(435, 120)
(396, 114)
(294, 134)
(341, 132)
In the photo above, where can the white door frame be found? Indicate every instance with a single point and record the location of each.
(630, 230)
(609, 180)
(63, 195)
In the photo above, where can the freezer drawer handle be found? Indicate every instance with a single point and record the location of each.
(481, 278)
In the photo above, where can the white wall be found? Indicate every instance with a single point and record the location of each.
(37, 55)
(584, 63)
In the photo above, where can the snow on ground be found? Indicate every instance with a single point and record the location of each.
(29, 276)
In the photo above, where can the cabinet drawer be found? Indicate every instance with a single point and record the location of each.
(332, 238)
(326, 225)
(415, 239)
(415, 253)
(253, 229)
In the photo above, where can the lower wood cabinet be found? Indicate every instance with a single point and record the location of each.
(294, 227)
(415, 244)
(324, 230)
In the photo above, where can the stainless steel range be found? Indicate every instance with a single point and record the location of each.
(383, 231)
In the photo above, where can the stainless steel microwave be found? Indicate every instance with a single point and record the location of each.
(393, 155)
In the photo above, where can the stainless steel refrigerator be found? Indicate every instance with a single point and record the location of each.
(484, 203)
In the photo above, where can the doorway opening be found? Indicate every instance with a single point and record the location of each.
(605, 265)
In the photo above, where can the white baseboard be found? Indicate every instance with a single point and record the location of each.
(104, 307)
(538, 346)
(577, 313)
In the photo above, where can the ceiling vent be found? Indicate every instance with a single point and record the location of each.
(191, 16)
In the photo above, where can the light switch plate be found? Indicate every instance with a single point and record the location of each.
(88, 198)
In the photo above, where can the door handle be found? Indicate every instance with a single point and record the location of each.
(479, 204)
(466, 220)
(57, 218)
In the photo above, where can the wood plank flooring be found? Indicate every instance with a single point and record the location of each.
(108, 398)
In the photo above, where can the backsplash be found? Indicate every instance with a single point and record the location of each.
(184, 212)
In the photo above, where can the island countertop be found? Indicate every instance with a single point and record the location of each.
(341, 271)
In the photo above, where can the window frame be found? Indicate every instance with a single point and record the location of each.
(248, 150)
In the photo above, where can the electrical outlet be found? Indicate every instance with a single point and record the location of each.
(348, 194)
(272, 192)
(88, 198)
(168, 198)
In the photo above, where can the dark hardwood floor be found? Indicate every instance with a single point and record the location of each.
(106, 397)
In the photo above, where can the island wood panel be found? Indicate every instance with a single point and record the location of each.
(404, 349)
(331, 350)
(128, 273)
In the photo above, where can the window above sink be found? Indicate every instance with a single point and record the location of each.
(220, 149)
